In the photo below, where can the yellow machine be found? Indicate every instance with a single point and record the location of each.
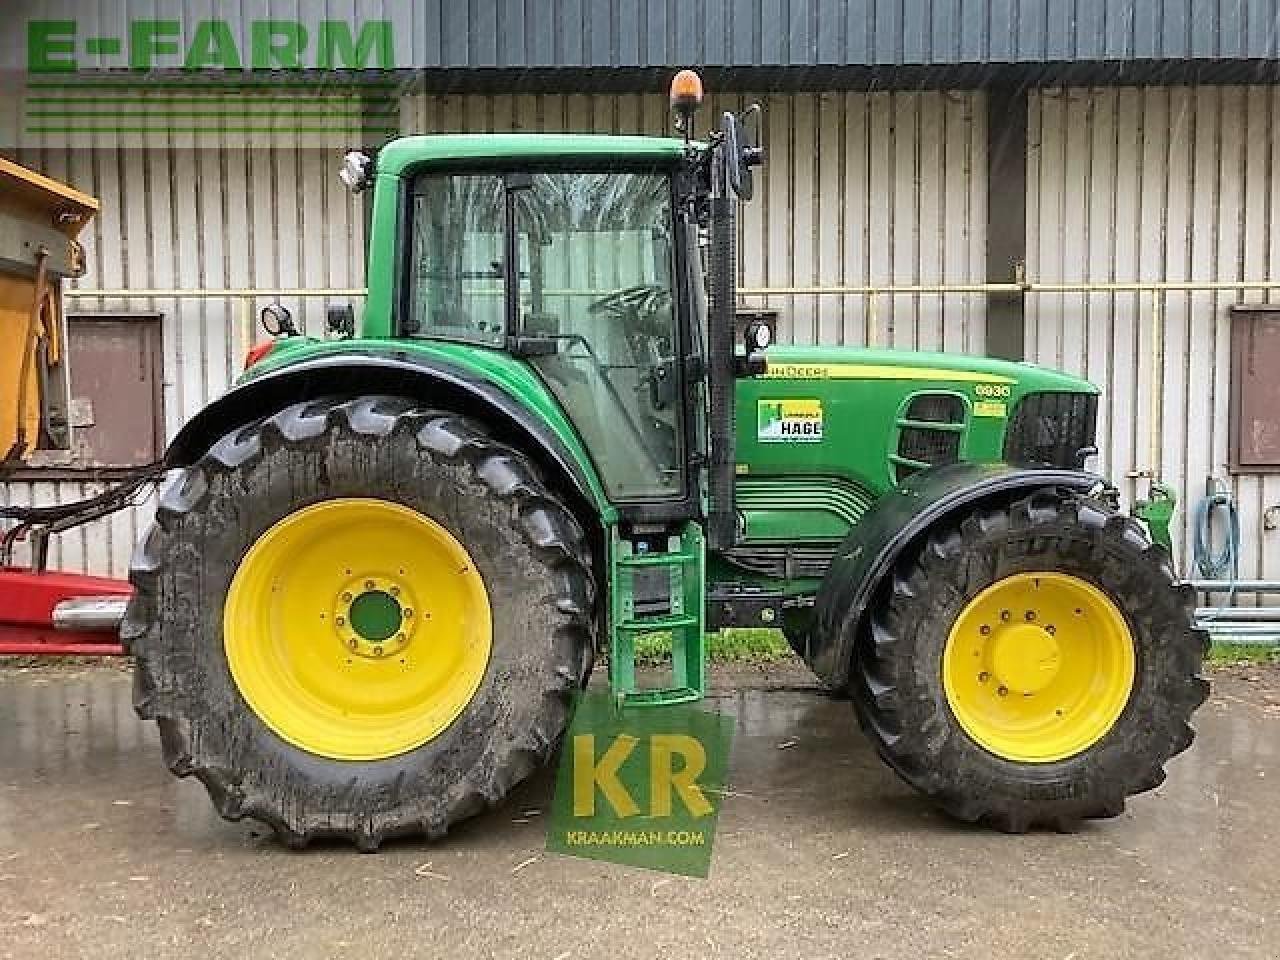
(40, 220)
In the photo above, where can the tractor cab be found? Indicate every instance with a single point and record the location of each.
(583, 257)
(574, 269)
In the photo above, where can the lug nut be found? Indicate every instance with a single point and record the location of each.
(377, 651)
(1004, 614)
(983, 677)
(1003, 691)
(399, 638)
(1029, 615)
(1050, 629)
(395, 591)
(984, 630)
(368, 584)
(346, 598)
(340, 621)
(355, 644)
(407, 613)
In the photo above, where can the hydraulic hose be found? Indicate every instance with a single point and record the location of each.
(1222, 563)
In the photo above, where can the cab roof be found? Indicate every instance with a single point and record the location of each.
(400, 155)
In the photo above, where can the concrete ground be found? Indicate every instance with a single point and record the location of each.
(821, 853)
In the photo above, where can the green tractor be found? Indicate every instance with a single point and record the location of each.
(389, 561)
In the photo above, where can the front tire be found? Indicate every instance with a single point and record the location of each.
(1034, 663)
(282, 621)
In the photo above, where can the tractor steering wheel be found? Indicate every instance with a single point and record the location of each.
(643, 311)
(641, 300)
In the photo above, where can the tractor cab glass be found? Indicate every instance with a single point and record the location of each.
(593, 287)
(456, 272)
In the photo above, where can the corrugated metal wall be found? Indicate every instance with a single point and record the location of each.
(638, 33)
(858, 189)
(813, 32)
(196, 219)
(1175, 183)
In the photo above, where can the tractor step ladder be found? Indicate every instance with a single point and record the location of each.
(657, 592)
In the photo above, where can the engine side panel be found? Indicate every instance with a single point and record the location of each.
(828, 431)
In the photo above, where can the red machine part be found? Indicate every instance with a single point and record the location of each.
(27, 602)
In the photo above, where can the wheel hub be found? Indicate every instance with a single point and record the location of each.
(1024, 658)
(375, 616)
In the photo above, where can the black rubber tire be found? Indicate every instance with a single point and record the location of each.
(796, 624)
(527, 546)
(896, 680)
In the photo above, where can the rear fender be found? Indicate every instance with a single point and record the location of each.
(433, 382)
(893, 526)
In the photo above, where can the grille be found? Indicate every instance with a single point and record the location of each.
(924, 444)
(931, 446)
(1054, 429)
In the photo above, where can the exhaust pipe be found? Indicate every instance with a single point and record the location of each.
(721, 378)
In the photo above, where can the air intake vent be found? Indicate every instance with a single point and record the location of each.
(1055, 429)
(929, 433)
(936, 408)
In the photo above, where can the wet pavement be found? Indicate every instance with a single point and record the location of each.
(820, 853)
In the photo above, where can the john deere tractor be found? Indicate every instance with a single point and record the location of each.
(389, 560)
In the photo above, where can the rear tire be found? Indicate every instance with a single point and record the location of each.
(909, 709)
(529, 551)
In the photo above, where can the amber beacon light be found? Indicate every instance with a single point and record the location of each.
(686, 97)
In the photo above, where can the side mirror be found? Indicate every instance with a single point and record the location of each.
(277, 321)
(340, 321)
(740, 154)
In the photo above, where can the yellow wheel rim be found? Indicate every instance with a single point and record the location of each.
(357, 629)
(1038, 667)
